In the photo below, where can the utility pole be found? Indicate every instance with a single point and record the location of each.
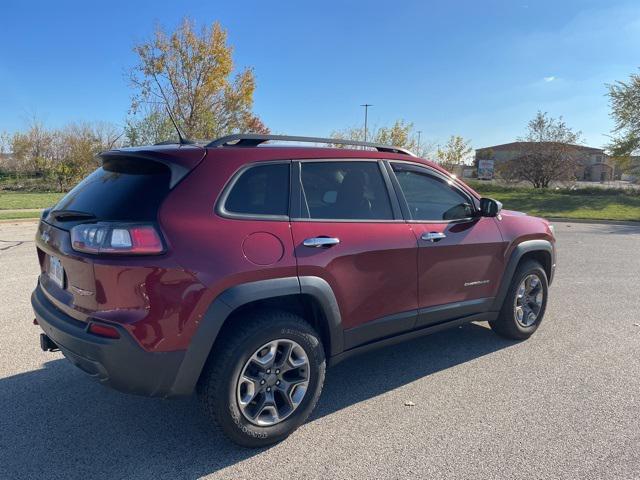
(419, 133)
(366, 111)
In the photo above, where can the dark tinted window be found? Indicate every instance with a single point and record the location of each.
(344, 190)
(261, 190)
(431, 198)
(127, 190)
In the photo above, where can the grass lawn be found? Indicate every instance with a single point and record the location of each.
(18, 200)
(17, 214)
(588, 205)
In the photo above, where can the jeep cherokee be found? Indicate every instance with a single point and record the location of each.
(239, 269)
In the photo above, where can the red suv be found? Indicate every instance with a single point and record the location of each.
(239, 270)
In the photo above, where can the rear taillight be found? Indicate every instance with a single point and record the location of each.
(116, 238)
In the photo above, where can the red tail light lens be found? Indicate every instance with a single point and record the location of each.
(103, 330)
(116, 238)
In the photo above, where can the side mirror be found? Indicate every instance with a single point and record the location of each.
(490, 207)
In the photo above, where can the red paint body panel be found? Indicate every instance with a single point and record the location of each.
(372, 271)
(470, 252)
(518, 227)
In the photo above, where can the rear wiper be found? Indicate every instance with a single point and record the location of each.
(65, 215)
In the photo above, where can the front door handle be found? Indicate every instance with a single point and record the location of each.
(433, 236)
(321, 242)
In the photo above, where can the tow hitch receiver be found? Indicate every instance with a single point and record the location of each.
(47, 345)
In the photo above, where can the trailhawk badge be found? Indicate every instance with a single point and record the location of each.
(477, 282)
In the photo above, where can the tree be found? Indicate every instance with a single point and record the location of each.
(456, 152)
(74, 154)
(153, 127)
(401, 134)
(62, 156)
(33, 149)
(547, 152)
(507, 171)
(191, 74)
(624, 99)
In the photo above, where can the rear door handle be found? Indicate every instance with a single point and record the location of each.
(433, 236)
(321, 242)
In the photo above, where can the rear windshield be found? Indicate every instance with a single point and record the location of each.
(122, 190)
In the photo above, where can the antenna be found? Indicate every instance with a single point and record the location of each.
(181, 139)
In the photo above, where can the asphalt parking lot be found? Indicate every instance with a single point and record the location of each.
(565, 404)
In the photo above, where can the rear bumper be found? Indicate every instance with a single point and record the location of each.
(118, 363)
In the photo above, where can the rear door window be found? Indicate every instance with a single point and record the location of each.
(344, 191)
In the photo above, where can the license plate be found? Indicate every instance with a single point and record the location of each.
(56, 271)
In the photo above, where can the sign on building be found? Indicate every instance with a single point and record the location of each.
(485, 169)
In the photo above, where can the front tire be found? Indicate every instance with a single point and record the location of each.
(240, 390)
(525, 303)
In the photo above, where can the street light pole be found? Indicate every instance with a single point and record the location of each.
(366, 111)
(419, 133)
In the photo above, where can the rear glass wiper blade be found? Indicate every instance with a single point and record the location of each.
(63, 215)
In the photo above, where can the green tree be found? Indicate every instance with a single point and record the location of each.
(457, 151)
(192, 74)
(401, 134)
(153, 127)
(624, 99)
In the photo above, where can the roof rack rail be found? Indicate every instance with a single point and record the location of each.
(253, 140)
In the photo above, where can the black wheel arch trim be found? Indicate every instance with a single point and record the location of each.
(234, 297)
(518, 252)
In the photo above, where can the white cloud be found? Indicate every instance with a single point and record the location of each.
(549, 79)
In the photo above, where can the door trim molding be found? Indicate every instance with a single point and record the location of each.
(404, 322)
(442, 313)
(379, 328)
(479, 317)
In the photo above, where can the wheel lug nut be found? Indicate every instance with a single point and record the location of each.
(278, 382)
(268, 370)
(268, 389)
(277, 371)
(262, 382)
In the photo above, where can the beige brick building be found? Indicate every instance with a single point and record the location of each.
(594, 164)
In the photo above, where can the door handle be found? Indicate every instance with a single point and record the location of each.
(433, 236)
(321, 242)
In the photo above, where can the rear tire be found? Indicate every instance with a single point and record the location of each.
(233, 386)
(525, 303)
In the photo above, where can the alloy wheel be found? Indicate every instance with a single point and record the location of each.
(273, 382)
(529, 299)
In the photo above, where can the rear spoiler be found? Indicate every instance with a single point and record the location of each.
(179, 159)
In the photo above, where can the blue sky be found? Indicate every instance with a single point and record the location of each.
(480, 69)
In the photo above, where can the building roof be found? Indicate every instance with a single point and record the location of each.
(515, 145)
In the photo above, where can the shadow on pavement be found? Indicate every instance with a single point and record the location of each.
(380, 371)
(56, 423)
